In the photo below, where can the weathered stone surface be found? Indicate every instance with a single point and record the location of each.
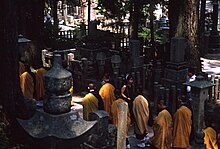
(57, 79)
(177, 52)
(66, 126)
(199, 94)
(57, 82)
(57, 104)
(122, 123)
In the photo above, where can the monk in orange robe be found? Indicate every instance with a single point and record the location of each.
(91, 102)
(162, 128)
(27, 81)
(210, 138)
(182, 125)
(27, 85)
(114, 113)
(141, 117)
(39, 86)
(107, 94)
(21, 68)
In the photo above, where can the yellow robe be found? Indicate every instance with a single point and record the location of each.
(182, 127)
(108, 96)
(21, 68)
(27, 85)
(162, 127)
(141, 114)
(90, 104)
(210, 138)
(114, 114)
(39, 83)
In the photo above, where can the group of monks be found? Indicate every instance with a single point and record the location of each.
(169, 131)
(31, 81)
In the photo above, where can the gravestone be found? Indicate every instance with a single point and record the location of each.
(135, 54)
(100, 58)
(176, 70)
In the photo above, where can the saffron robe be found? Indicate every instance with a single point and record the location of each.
(210, 139)
(21, 68)
(108, 96)
(114, 114)
(27, 85)
(141, 115)
(39, 83)
(182, 127)
(162, 128)
(90, 104)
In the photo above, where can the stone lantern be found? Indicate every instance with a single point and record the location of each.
(199, 94)
(56, 126)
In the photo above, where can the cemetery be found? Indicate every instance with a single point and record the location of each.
(77, 47)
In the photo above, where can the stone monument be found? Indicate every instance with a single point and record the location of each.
(56, 126)
(176, 70)
(199, 94)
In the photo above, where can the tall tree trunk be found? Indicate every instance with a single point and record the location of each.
(10, 87)
(11, 98)
(151, 9)
(202, 26)
(135, 18)
(183, 16)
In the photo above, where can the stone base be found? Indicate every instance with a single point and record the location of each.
(175, 75)
(66, 126)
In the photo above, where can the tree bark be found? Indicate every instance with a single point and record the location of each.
(202, 26)
(10, 87)
(135, 19)
(183, 16)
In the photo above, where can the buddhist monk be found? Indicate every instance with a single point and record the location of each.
(162, 128)
(210, 138)
(107, 94)
(91, 102)
(182, 124)
(21, 68)
(141, 117)
(39, 87)
(27, 81)
(114, 114)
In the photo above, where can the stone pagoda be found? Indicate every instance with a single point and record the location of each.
(56, 126)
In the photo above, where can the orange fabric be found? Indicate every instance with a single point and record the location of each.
(182, 127)
(90, 104)
(27, 85)
(39, 83)
(108, 96)
(114, 114)
(210, 139)
(141, 114)
(162, 127)
(21, 68)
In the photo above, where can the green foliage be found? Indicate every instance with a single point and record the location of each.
(113, 9)
(145, 33)
(160, 35)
